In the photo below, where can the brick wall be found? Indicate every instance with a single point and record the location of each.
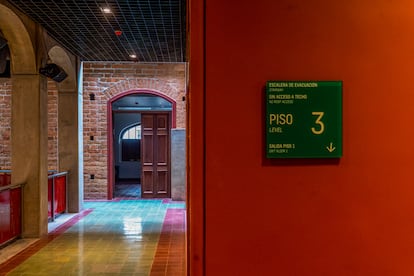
(106, 80)
(5, 124)
(52, 135)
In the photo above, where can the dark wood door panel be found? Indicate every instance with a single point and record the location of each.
(162, 122)
(147, 149)
(163, 146)
(162, 183)
(155, 151)
(147, 185)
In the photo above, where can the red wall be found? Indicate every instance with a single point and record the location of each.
(264, 217)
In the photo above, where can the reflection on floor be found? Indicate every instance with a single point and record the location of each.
(123, 237)
(127, 191)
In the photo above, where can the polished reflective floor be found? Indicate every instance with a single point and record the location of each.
(124, 237)
(127, 190)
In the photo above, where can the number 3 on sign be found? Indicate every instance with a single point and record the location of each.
(319, 122)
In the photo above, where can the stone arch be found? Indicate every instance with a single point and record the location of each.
(60, 57)
(29, 104)
(57, 94)
(21, 47)
(67, 126)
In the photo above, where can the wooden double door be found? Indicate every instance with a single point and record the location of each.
(155, 155)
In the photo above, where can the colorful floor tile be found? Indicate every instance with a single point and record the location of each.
(126, 237)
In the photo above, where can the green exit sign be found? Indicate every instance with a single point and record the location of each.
(304, 119)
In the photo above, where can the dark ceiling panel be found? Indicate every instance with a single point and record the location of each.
(154, 30)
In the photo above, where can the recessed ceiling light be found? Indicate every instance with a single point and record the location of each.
(133, 56)
(106, 10)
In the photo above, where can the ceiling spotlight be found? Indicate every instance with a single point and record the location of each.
(133, 56)
(106, 10)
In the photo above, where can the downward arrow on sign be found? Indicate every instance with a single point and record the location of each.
(331, 148)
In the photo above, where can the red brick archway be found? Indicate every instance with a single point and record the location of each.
(110, 126)
(101, 83)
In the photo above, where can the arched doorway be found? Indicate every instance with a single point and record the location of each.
(139, 166)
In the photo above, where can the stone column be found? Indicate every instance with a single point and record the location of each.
(178, 165)
(29, 150)
(68, 146)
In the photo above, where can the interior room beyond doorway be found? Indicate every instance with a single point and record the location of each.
(141, 136)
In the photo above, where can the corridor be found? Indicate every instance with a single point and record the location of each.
(120, 237)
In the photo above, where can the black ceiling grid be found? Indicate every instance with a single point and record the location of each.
(153, 30)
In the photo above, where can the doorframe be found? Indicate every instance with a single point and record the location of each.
(110, 138)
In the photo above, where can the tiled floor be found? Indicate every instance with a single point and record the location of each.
(125, 237)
